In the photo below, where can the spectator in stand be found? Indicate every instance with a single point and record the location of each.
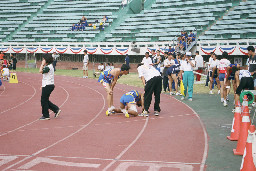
(165, 74)
(147, 60)
(78, 26)
(191, 37)
(127, 60)
(157, 60)
(1, 55)
(223, 67)
(73, 28)
(14, 61)
(212, 73)
(82, 20)
(171, 50)
(104, 19)
(124, 3)
(187, 67)
(199, 65)
(182, 34)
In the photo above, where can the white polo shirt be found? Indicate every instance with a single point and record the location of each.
(48, 77)
(213, 64)
(147, 61)
(86, 59)
(199, 61)
(148, 72)
(185, 66)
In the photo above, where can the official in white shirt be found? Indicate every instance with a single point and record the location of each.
(152, 81)
(147, 60)
(86, 63)
(47, 70)
(187, 68)
(199, 65)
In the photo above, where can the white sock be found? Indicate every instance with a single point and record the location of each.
(124, 111)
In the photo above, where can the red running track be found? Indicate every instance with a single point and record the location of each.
(83, 138)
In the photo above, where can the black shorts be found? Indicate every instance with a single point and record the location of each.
(245, 83)
(215, 74)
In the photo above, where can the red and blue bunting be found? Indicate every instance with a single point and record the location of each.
(4, 49)
(76, 50)
(243, 50)
(61, 49)
(46, 49)
(106, 50)
(32, 49)
(228, 50)
(162, 50)
(17, 50)
(150, 49)
(122, 51)
(208, 51)
(91, 50)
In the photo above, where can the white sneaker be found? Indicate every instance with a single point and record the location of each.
(225, 103)
(172, 93)
(222, 100)
(182, 98)
(218, 91)
(211, 92)
(227, 99)
(190, 99)
(178, 94)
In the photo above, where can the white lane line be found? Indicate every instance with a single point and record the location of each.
(3, 90)
(127, 148)
(24, 101)
(205, 136)
(65, 138)
(8, 132)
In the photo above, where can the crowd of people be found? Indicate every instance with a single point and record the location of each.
(7, 65)
(184, 40)
(82, 24)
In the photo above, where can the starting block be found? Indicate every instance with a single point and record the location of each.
(13, 78)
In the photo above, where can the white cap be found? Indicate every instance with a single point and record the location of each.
(188, 53)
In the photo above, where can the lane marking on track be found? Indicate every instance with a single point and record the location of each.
(127, 148)
(205, 135)
(2, 91)
(22, 102)
(65, 138)
(16, 129)
(106, 159)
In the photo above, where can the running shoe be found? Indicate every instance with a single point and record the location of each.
(58, 113)
(156, 113)
(182, 98)
(218, 91)
(126, 114)
(108, 112)
(227, 99)
(172, 93)
(145, 113)
(44, 118)
(190, 99)
(211, 92)
(225, 104)
(178, 94)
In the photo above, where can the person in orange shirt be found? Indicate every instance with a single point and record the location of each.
(1, 55)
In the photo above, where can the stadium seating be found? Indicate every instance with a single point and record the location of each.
(239, 23)
(51, 20)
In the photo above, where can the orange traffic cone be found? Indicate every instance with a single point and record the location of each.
(246, 122)
(249, 157)
(234, 136)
